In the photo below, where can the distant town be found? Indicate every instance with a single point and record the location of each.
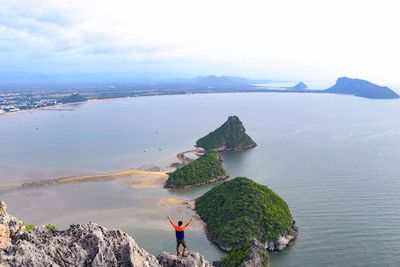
(12, 102)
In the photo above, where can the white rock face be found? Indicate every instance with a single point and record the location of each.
(194, 259)
(283, 240)
(9, 226)
(80, 245)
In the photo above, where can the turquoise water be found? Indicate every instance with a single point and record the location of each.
(334, 159)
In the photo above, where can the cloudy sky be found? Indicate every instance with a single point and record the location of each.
(299, 39)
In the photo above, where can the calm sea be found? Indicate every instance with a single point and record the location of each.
(334, 159)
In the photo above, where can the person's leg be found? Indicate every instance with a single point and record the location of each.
(177, 248)
(185, 248)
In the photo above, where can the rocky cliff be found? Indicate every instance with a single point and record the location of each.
(80, 245)
(9, 226)
(247, 253)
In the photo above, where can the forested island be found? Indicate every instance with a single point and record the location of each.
(230, 136)
(241, 209)
(204, 170)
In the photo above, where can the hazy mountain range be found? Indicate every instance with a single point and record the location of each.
(161, 82)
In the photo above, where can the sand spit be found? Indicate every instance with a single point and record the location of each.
(144, 181)
(172, 201)
(89, 178)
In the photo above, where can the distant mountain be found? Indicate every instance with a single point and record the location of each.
(230, 136)
(363, 88)
(298, 87)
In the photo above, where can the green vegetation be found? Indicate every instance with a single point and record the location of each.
(52, 227)
(200, 171)
(240, 254)
(230, 136)
(29, 227)
(241, 209)
(74, 98)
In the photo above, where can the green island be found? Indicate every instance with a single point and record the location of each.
(248, 251)
(204, 170)
(240, 209)
(230, 136)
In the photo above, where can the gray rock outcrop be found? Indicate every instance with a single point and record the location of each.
(246, 253)
(80, 245)
(9, 226)
(258, 256)
(284, 239)
(193, 259)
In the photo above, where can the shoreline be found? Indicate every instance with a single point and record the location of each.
(310, 91)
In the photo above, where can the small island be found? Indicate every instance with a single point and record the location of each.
(230, 136)
(204, 170)
(240, 209)
(298, 87)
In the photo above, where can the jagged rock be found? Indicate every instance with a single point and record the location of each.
(194, 259)
(80, 245)
(284, 239)
(9, 226)
(258, 256)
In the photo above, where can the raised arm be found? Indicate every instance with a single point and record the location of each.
(169, 219)
(187, 224)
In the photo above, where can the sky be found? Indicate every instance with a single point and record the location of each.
(281, 39)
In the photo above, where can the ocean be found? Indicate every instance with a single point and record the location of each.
(334, 159)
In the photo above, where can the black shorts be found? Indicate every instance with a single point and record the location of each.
(179, 242)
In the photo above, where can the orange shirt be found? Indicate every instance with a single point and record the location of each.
(179, 228)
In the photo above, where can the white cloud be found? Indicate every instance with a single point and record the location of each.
(308, 39)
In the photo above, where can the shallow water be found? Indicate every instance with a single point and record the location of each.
(334, 159)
